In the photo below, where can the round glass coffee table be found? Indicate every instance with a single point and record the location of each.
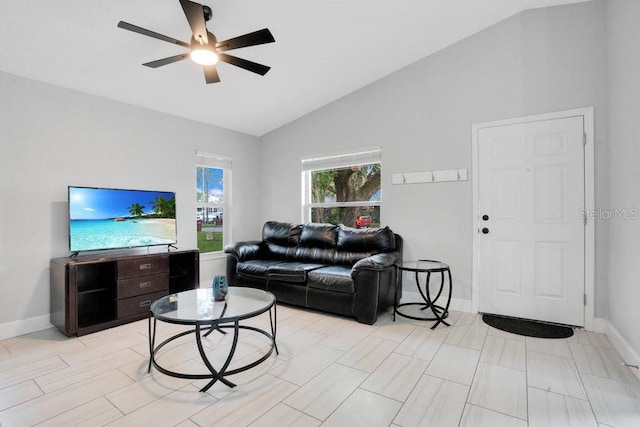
(198, 308)
(428, 267)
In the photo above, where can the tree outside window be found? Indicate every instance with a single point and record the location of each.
(347, 195)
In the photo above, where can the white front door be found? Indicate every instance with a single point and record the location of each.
(531, 200)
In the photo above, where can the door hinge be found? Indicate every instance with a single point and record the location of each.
(584, 138)
(585, 299)
(585, 220)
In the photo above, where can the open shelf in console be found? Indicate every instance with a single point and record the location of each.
(183, 272)
(89, 294)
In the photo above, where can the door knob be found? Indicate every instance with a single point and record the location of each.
(485, 230)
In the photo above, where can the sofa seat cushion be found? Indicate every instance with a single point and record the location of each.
(335, 278)
(295, 272)
(256, 268)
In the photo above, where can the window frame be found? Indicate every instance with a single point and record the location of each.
(360, 157)
(210, 160)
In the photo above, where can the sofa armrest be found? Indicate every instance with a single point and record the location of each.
(244, 251)
(377, 262)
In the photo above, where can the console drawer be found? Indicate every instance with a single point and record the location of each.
(143, 285)
(143, 266)
(137, 306)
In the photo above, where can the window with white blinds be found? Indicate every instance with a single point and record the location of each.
(344, 159)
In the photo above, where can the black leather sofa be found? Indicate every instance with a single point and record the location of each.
(337, 269)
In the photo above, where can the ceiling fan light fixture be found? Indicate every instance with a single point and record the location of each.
(204, 55)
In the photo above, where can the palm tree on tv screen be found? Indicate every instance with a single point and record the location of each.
(163, 207)
(136, 209)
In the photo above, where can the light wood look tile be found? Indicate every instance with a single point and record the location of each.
(364, 408)
(348, 336)
(53, 404)
(98, 412)
(246, 404)
(369, 354)
(331, 370)
(284, 416)
(552, 409)
(504, 352)
(46, 342)
(86, 370)
(395, 331)
(454, 363)
(500, 389)
(18, 393)
(614, 403)
(29, 371)
(297, 342)
(396, 376)
(475, 416)
(471, 335)
(153, 387)
(306, 365)
(177, 406)
(601, 362)
(433, 402)
(324, 393)
(554, 373)
(328, 324)
(555, 347)
(422, 343)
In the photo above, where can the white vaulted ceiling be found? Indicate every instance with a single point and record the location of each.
(324, 50)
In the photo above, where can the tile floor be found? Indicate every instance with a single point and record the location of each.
(330, 371)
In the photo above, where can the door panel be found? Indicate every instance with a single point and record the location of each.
(531, 186)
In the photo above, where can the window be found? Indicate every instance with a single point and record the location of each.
(343, 188)
(213, 180)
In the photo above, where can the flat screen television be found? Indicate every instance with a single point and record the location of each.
(111, 218)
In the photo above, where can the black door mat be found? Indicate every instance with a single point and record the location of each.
(529, 328)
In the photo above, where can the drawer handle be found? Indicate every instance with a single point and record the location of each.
(145, 285)
(145, 266)
(146, 303)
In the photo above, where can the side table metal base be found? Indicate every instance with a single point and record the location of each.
(439, 312)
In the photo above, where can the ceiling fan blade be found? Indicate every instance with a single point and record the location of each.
(195, 15)
(149, 33)
(251, 39)
(165, 61)
(254, 67)
(211, 74)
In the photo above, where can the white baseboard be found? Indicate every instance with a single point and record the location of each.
(600, 325)
(628, 354)
(26, 326)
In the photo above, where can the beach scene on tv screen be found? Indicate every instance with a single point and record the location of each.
(110, 218)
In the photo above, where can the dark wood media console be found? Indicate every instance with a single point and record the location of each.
(89, 294)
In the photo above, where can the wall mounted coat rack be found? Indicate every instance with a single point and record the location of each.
(429, 176)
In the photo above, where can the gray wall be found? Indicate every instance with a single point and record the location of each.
(539, 61)
(52, 137)
(624, 178)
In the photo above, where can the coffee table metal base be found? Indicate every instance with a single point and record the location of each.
(214, 374)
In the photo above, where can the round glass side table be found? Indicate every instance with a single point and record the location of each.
(428, 267)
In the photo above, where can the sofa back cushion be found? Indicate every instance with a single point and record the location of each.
(282, 238)
(355, 244)
(317, 243)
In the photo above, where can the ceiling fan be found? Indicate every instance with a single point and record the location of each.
(204, 48)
